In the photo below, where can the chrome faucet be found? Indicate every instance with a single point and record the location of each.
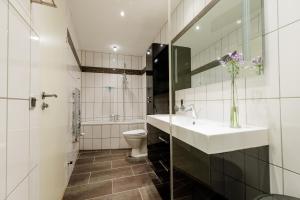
(192, 109)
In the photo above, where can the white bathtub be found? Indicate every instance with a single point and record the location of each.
(95, 123)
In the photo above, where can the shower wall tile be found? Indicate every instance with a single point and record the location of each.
(3, 47)
(3, 104)
(288, 11)
(18, 56)
(291, 183)
(17, 142)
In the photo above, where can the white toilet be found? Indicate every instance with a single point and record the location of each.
(136, 139)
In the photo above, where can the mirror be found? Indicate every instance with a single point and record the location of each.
(221, 28)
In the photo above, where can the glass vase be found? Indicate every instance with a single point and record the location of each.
(234, 110)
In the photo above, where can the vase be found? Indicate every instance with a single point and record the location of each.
(234, 110)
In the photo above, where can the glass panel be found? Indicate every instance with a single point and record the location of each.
(210, 59)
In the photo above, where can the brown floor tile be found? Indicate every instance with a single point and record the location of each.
(79, 179)
(96, 166)
(150, 193)
(141, 169)
(110, 157)
(110, 174)
(85, 161)
(121, 151)
(88, 191)
(133, 182)
(93, 153)
(127, 162)
(128, 195)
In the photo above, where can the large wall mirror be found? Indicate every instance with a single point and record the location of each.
(223, 27)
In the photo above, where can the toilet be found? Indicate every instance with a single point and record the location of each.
(137, 141)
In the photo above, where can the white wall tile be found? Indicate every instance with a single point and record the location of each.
(291, 184)
(105, 60)
(267, 84)
(88, 144)
(121, 61)
(179, 17)
(276, 182)
(106, 143)
(290, 109)
(17, 142)
(288, 11)
(106, 112)
(106, 129)
(198, 6)
(188, 11)
(89, 79)
(3, 113)
(289, 60)
(270, 15)
(128, 62)
(113, 61)
(97, 130)
(97, 59)
(115, 143)
(3, 47)
(98, 111)
(98, 94)
(266, 113)
(98, 80)
(115, 131)
(215, 91)
(97, 144)
(215, 110)
(134, 62)
(90, 95)
(21, 192)
(89, 58)
(88, 130)
(89, 111)
(19, 56)
(34, 184)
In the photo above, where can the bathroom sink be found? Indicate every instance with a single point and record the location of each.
(209, 136)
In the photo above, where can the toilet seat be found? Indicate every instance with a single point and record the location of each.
(139, 133)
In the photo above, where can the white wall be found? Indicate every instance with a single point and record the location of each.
(35, 144)
(272, 99)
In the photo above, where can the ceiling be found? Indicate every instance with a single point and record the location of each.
(99, 26)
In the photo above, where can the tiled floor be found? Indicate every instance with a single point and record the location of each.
(110, 175)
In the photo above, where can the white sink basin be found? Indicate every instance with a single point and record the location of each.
(209, 136)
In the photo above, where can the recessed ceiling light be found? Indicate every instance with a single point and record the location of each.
(156, 60)
(239, 21)
(161, 45)
(197, 27)
(34, 38)
(148, 52)
(122, 13)
(115, 48)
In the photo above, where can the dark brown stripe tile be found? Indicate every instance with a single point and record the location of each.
(111, 70)
(128, 195)
(110, 157)
(110, 174)
(150, 193)
(88, 191)
(127, 162)
(79, 179)
(141, 169)
(133, 182)
(96, 166)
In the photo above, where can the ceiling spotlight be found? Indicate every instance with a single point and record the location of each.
(148, 52)
(34, 38)
(197, 27)
(115, 48)
(239, 21)
(161, 45)
(122, 13)
(156, 60)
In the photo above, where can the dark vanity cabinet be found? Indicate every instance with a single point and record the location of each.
(159, 156)
(157, 70)
(236, 175)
